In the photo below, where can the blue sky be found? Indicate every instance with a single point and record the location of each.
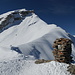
(59, 12)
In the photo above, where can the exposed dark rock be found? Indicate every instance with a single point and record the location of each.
(71, 69)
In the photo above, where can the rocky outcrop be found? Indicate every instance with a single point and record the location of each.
(71, 69)
(13, 16)
(42, 61)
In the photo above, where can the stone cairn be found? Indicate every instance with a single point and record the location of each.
(62, 50)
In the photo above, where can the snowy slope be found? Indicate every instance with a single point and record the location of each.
(25, 37)
(23, 67)
(29, 33)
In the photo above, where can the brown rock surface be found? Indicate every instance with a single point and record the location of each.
(62, 50)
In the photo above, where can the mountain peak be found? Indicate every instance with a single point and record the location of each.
(25, 37)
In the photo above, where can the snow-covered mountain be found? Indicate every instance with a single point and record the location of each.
(23, 35)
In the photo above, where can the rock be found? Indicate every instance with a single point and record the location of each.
(42, 61)
(62, 50)
(12, 17)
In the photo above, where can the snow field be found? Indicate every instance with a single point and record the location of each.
(23, 67)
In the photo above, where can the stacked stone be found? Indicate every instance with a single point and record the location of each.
(62, 50)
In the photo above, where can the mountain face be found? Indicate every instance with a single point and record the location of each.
(22, 31)
(24, 38)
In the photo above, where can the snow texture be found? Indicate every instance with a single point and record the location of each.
(23, 67)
